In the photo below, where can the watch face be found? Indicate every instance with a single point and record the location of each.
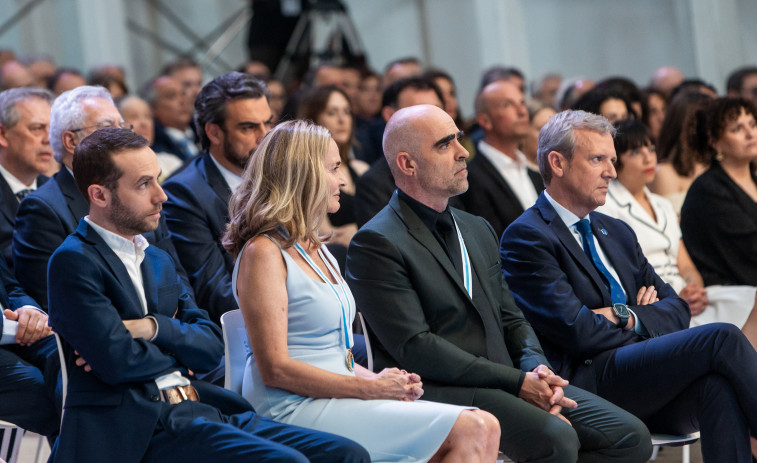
(621, 310)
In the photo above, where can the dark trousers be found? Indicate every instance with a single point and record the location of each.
(702, 378)
(601, 431)
(30, 391)
(197, 432)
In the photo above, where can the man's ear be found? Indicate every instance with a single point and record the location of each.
(387, 112)
(99, 196)
(558, 163)
(213, 131)
(406, 164)
(484, 121)
(70, 140)
(3, 140)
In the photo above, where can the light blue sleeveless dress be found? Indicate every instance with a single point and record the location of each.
(391, 430)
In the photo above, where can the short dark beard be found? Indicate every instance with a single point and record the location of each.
(233, 157)
(124, 220)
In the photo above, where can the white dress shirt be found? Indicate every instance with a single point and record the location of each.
(232, 179)
(513, 171)
(16, 184)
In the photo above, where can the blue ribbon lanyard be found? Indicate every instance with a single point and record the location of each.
(467, 281)
(332, 286)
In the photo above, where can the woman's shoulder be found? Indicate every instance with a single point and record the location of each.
(261, 248)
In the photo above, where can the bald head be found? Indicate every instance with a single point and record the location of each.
(666, 79)
(423, 150)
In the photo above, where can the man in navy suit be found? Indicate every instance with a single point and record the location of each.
(25, 154)
(232, 116)
(132, 334)
(52, 212)
(607, 322)
(29, 363)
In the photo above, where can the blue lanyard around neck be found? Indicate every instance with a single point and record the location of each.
(342, 303)
(467, 281)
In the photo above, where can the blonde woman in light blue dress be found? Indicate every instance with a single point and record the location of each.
(298, 312)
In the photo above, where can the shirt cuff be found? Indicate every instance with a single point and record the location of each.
(639, 327)
(157, 327)
(9, 332)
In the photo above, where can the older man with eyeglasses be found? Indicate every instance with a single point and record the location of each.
(51, 213)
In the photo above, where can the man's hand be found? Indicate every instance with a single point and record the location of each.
(141, 328)
(646, 295)
(80, 362)
(696, 297)
(32, 324)
(543, 389)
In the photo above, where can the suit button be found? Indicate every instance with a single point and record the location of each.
(155, 398)
(587, 362)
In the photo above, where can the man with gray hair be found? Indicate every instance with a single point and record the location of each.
(51, 213)
(25, 154)
(606, 320)
(427, 278)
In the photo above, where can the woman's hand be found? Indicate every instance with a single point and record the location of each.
(395, 384)
(696, 297)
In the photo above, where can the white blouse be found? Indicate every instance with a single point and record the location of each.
(659, 240)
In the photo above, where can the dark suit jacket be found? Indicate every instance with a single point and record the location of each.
(12, 295)
(8, 208)
(556, 286)
(163, 143)
(490, 196)
(115, 407)
(420, 315)
(43, 221)
(196, 212)
(719, 226)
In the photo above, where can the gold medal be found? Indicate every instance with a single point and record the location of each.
(350, 360)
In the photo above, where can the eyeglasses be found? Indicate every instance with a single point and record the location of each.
(105, 123)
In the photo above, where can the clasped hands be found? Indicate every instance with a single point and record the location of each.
(544, 389)
(393, 383)
(646, 295)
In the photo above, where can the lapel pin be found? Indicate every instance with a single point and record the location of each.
(604, 232)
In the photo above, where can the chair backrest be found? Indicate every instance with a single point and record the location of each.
(63, 374)
(236, 348)
(368, 351)
(10, 441)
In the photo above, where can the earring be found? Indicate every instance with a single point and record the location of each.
(719, 156)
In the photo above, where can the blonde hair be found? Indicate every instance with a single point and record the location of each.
(283, 187)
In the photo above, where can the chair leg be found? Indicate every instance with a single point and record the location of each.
(655, 451)
(686, 454)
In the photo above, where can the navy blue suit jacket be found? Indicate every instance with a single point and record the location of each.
(163, 143)
(196, 212)
(8, 208)
(43, 221)
(12, 295)
(557, 286)
(115, 407)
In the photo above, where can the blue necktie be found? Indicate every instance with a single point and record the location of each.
(616, 291)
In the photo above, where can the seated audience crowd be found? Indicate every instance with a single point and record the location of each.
(567, 272)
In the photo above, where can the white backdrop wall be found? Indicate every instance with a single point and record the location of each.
(593, 38)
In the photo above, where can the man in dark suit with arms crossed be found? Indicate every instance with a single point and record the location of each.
(132, 334)
(607, 322)
(428, 279)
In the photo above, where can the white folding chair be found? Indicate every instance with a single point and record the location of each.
(63, 374)
(684, 440)
(10, 441)
(236, 348)
(368, 351)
